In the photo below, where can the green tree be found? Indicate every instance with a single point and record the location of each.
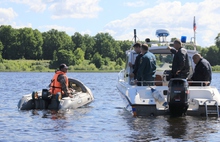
(54, 40)
(213, 55)
(172, 39)
(105, 45)
(1, 48)
(217, 40)
(78, 39)
(106, 61)
(119, 62)
(204, 51)
(89, 44)
(97, 60)
(31, 42)
(9, 39)
(124, 46)
(62, 56)
(78, 56)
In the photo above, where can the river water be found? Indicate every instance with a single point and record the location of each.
(104, 120)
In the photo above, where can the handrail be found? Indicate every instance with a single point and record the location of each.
(202, 83)
(120, 74)
(142, 82)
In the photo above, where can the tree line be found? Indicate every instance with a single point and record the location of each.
(59, 47)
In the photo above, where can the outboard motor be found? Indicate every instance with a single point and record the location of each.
(178, 96)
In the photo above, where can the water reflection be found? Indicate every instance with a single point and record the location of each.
(62, 114)
(54, 114)
(177, 127)
(166, 128)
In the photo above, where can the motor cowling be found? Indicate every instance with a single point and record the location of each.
(178, 96)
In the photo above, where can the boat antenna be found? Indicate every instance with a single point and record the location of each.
(135, 36)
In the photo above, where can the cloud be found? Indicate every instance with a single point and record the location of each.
(135, 4)
(7, 15)
(75, 9)
(68, 30)
(85, 32)
(34, 5)
(65, 8)
(29, 25)
(174, 16)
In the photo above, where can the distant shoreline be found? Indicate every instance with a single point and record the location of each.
(43, 66)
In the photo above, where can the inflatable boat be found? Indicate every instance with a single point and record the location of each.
(82, 96)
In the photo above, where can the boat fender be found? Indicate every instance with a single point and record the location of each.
(158, 97)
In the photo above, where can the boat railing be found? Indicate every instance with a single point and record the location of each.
(199, 83)
(121, 74)
(161, 83)
(149, 83)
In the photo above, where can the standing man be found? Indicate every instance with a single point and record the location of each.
(60, 83)
(180, 65)
(147, 67)
(137, 49)
(202, 71)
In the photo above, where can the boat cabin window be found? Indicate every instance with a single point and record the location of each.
(164, 61)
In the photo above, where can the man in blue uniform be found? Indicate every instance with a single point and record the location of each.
(147, 67)
(202, 71)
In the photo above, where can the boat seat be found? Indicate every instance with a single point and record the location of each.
(158, 80)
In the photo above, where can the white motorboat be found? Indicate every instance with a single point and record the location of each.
(82, 96)
(166, 97)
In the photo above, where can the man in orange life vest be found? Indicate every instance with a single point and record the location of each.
(59, 83)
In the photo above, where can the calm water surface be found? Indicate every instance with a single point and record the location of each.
(104, 120)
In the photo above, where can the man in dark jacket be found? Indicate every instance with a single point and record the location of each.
(180, 65)
(202, 71)
(147, 67)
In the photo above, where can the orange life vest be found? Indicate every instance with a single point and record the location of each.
(55, 85)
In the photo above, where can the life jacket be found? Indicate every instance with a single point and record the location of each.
(55, 85)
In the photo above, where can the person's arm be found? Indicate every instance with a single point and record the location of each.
(172, 50)
(62, 81)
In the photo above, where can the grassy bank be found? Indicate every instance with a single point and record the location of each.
(43, 66)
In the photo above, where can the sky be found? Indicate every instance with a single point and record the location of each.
(117, 17)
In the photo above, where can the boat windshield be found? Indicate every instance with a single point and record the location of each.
(164, 61)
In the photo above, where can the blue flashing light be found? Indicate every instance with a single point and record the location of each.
(183, 39)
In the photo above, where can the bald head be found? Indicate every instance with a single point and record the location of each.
(196, 58)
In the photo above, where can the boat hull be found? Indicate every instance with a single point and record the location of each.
(142, 103)
(151, 110)
(78, 100)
